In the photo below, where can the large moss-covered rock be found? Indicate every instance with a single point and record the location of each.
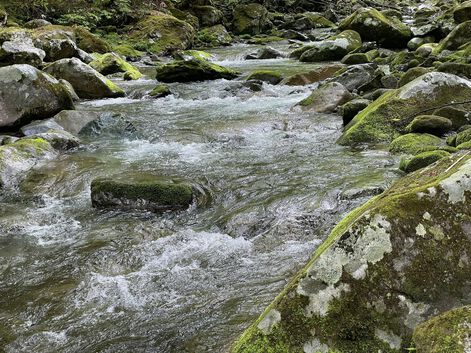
(112, 63)
(375, 26)
(430, 124)
(459, 117)
(460, 35)
(269, 76)
(387, 116)
(19, 157)
(214, 36)
(388, 266)
(415, 143)
(307, 21)
(315, 75)
(163, 34)
(326, 99)
(28, 94)
(141, 191)
(90, 42)
(207, 15)
(448, 332)
(333, 48)
(87, 82)
(250, 19)
(193, 70)
(422, 160)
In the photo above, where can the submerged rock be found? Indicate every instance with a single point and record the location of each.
(386, 117)
(143, 192)
(326, 99)
(28, 94)
(269, 76)
(388, 266)
(373, 25)
(87, 82)
(448, 332)
(193, 70)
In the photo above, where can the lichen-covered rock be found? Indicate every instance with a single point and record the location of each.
(333, 48)
(141, 191)
(316, 75)
(193, 70)
(163, 34)
(87, 82)
(415, 143)
(28, 94)
(462, 13)
(463, 136)
(460, 35)
(448, 332)
(20, 52)
(250, 19)
(57, 49)
(386, 117)
(214, 36)
(112, 63)
(373, 25)
(326, 99)
(388, 266)
(269, 76)
(19, 157)
(430, 124)
(422, 160)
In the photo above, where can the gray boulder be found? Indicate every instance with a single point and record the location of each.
(20, 52)
(326, 99)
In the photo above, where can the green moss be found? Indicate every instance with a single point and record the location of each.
(111, 63)
(90, 42)
(270, 76)
(464, 136)
(444, 333)
(415, 143)
(421, 160)
(128, 51)
(265, 40)
(214, 36)
(464, 146)
(160, 91)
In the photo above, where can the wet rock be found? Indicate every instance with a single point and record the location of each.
(352, 108)
(459, 36)
(356, 58)
(293, 35)
(411, 74)
(207, 15)
(193, 70)
(37, 23)
(250, 19)
(357, 193)
(430, 124)
(360, 78)
(70, 89)
(112, 63)
(192, 54)
(160, 91)
(40, 126)
(75, 121)
(421, 160)
(447, 332)
(326, 99)
(373, 25)
(28, 94)
(462, 13)
(163, 34)
(415, 143)
(142, 192)
(271, 77)
(459, 117)
(19, 52)
(19, 157)
(59, 139)
(386, 117)
(84, 56)
(334, 48)
(307, 21)
(416, 42)
(265, 53)
(342, 300)
(87, 82)
(315, 75)
(108, 124)
(215, 36)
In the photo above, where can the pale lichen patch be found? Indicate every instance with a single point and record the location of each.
(458, 183)
(272, 318)
(390, 338)
(315, 346)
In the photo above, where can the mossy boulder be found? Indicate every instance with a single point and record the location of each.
(415, 143)
(160, 91)
(333, 48)
(192, 55)
(375, 26)
(250, 19)
(128, 51)
(448, 332)
(141, 191)
(412, 74)
(269, 76)
(463, 136)
(315, 75)
(19, 157)
(90, 42)
(162, 34)
(307, 21)
(326, 99)
(385, 268)
(422, 160)
(464, 146)
(214, 36)
(388, 116)
(459, 117)
(28, 94)
(87, 82)
(459, 69)
(430, 124)
(207, 15)
(112, 63)
(193, 70)
(462, 13)
(352, 108)
(355, 58)
(460, 35)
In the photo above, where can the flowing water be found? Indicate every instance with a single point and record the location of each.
(76, 279)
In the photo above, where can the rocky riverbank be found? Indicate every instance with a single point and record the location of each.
(398, 75)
